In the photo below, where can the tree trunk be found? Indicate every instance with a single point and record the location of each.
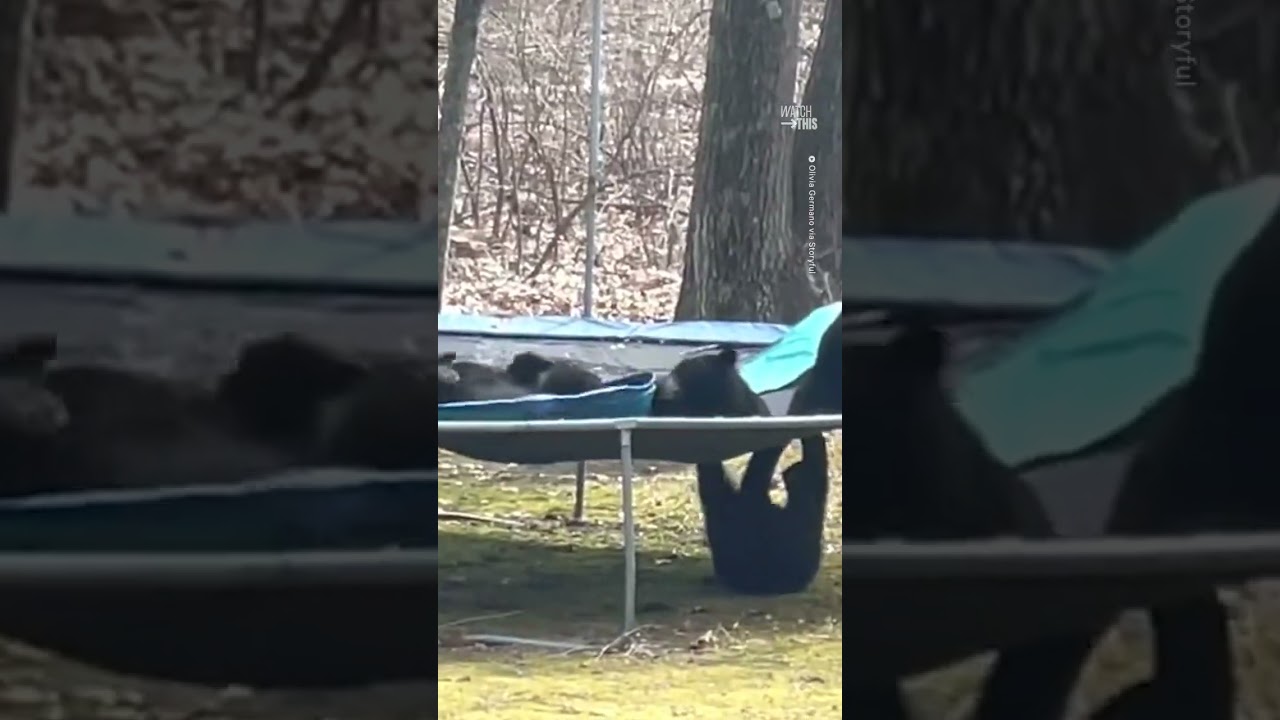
(453, 110)
(816, 201)
(1086, 123)
(13, 35)
(742, 261)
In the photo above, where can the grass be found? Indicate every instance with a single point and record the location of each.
(700, 652)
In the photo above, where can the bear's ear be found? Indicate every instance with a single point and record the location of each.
(446, 358)
(727, 356)
(529, 362)
(920, 349)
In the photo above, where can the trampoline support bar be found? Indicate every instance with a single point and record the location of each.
(579, 490)
(628, 535)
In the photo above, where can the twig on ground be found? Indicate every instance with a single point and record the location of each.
(478, 618)
(568, 647)
(470, 517)
(617, 642)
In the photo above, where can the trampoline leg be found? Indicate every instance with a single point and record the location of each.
(628, 537)
(579, 501)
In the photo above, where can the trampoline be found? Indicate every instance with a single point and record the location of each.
(307, 577)
(915, 607)
(622, 349)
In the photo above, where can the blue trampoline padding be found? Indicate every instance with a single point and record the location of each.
(629, 397)
(1093, 370)
(319, 509)
(550, 327)
(782, 363)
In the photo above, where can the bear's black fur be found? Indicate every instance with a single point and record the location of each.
(463, 381)
(321, 406)
(279, 386)
(707, 385)
(30, 416)
(922, 472)
(1193, 667)
(133, 429)
(876, 700)
(384, 422)
(105, 427)
(556, 377)
(758, 547)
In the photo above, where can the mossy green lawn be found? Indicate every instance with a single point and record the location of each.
(700, 652)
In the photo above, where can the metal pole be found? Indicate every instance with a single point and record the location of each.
(628, 535)
(593, 157)
(593, 183)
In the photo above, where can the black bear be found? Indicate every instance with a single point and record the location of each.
(279, 387)
(922, 471)
(30, 416)
(758, 547)
(1206, 464)
(79, 427)
(465, 381)
(384, 421)
(129, 428)
(320, 406)
(555, 377)
(1163, 492)
(707, 385)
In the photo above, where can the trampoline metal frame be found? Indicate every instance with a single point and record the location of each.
(1124, 558)
(200, 569)
(919, 606)
(626, 429)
